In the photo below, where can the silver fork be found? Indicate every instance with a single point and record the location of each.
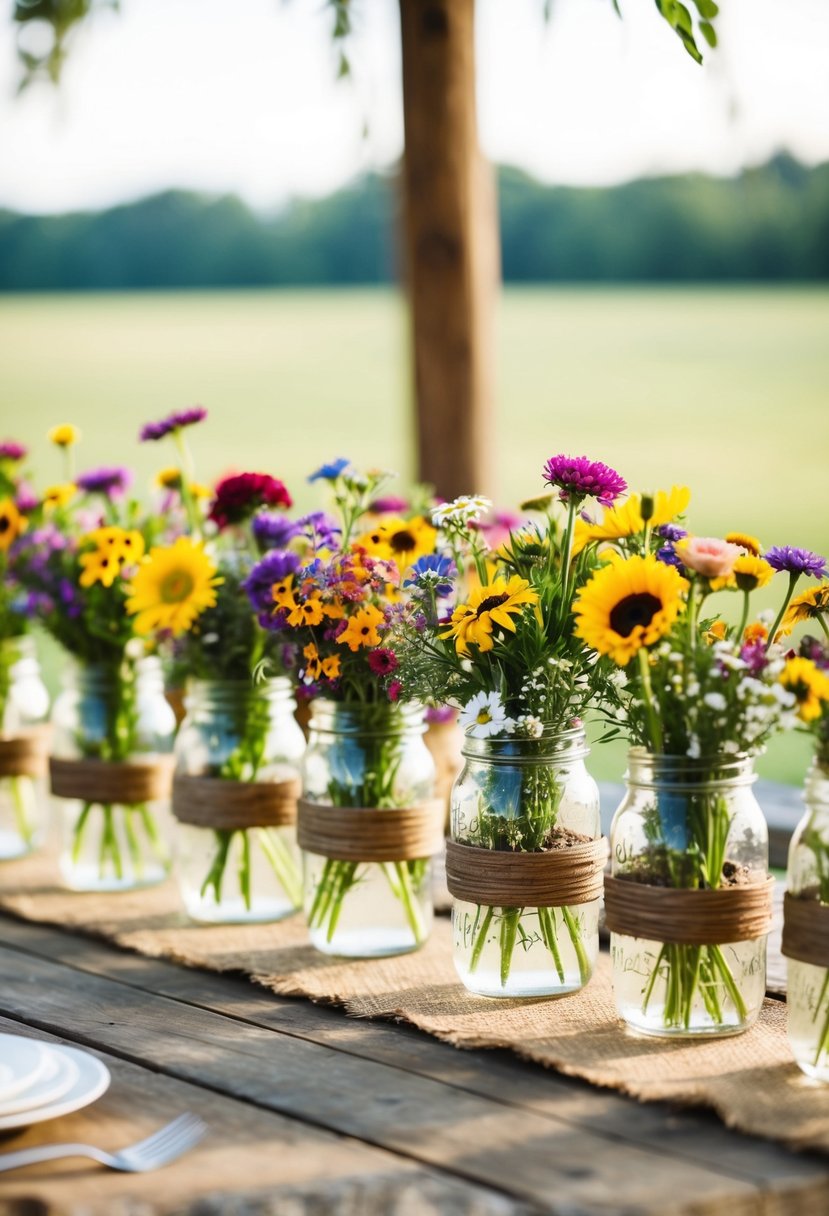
(159, 1149)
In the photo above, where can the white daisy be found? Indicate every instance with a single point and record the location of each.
(485, 716)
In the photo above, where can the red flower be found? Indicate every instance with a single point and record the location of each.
(383, 662)
(240, 496)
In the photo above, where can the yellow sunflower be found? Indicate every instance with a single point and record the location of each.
(628, 604)
(627, 520)
(494, 604)
(12, 523)
(810, 686)
(172, 587)
(750, 543)
(808, 606)
(59, 495)
(751, 571)
(399, 540)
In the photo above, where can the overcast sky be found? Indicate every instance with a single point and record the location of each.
(240, 95)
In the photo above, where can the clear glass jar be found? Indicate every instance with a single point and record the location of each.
(239, 731)
(808, 878)
(525, 795)
(24, 706)
(116, 714)
(689, 823)
(367, 756)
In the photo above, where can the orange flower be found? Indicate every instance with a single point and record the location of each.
(309, 612)
(331, 667)
(313, 666)
(362, 628)
(717, 631)
(755, 632)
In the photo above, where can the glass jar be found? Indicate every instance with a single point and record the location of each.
(691, 824)
(525, 795)
(24, 708)
(808, 879)
(120, 714)
(367, 756)
(238, 731)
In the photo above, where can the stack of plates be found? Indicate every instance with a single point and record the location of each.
(44, 1080)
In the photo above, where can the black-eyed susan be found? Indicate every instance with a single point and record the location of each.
(362, 628)
(60, 495)
(628, 604)
(402, 541)
(494, 604)
(172, 587)
(114, 549)
(811, 605)
(12, 523)
(810, 687)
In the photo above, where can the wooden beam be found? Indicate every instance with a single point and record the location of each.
(451, 247)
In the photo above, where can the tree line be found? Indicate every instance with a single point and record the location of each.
(770, 223)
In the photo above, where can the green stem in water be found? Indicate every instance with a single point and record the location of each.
(409, 900)
(244, 869)
(509, 931)
(217, 869)
(823, 1041)
(132, 842)
(578, 945)
(78, 832)
(480, 941)
(282, 863)
(25, 829)
(546, 920)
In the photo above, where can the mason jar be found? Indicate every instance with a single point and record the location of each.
(374, 757)
(244, 865)
(24, 714)
(114, 833)
(517, 795)
(808, 879)
(690, 824)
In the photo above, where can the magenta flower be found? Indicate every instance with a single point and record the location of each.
(583, 478)
(173, 422)
(382, 661)
(796, 561)
(9, 450)
(241, 495)
(113, 483)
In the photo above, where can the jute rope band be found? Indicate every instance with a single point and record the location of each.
(212, 802)
(688, 917)
(360, 833)
(553, 879)
(127, 783)
(806, 930)
(26, 754)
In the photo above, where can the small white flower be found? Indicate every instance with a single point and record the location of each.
(485, 716)
(461, 510)
(715, 700)
(694, 748)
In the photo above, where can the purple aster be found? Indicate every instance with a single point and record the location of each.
(320, 529)
(671, 532)
(273, 568)
(152, 431)
(796, 561)
(584, 478)
(273, 531)
(113, 482)
(434, 572)
(9, 450)
(389, 506)
(330, 471)
(669, 557)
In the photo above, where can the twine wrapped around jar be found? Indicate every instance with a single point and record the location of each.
(25, 754)
(222, 805)
(687, 916)
(554, 878)
(108, 782)
(358, 833)
(806, 930)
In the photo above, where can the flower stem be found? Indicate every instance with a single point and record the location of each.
(744, 618)
(793, 577)
(282, 864)
(651, 716)
(25, 829)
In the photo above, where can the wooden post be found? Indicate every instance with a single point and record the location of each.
(452, 252)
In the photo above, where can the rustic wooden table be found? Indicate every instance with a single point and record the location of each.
(312, 1112)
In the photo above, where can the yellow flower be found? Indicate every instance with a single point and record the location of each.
(627, 520)
(172, 587)
(170, 479)
(59, 495)
(114, 548)
(313, 665)
(308, 612)
(755, 632)
(807, 606)
(751, 571)
(400, 540)
(750, 543)
(717, 631)
(628, 604)
(494, 604)
(331, 667)
(12, 523)
(362, 628)
(64, 436)
(810, 686)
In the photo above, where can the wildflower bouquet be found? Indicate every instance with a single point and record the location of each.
(239, 746)
(492, 632)
(334, 599)
(699, 700)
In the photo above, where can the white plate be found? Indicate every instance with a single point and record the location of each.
(60, 1076)
(22, 1062)
(93, 1080)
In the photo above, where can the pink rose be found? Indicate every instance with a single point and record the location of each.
(708, 556)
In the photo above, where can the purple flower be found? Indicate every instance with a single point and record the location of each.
(754, 656)
(320, 529)
(669, 557)
(796, 561)
(584, 478)
(434, 572)
(27, 500)
(113, 482)
(9, 450)
(273, 531)
(437, 715)
(389, 506)
(173, 422)
(273, 568)
(671, 532)
(330, 471)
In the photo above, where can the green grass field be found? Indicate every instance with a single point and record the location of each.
(725, 390)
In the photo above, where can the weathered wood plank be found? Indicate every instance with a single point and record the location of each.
(251, 1160)
(529, 1156)
(691, 1136)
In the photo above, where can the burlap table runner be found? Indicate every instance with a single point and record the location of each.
(750, 1081)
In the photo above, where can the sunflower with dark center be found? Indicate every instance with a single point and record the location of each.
(12, 523)
(628, 604)
(399, 540)
(809, 685)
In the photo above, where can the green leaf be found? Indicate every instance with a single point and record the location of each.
(708, 32)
